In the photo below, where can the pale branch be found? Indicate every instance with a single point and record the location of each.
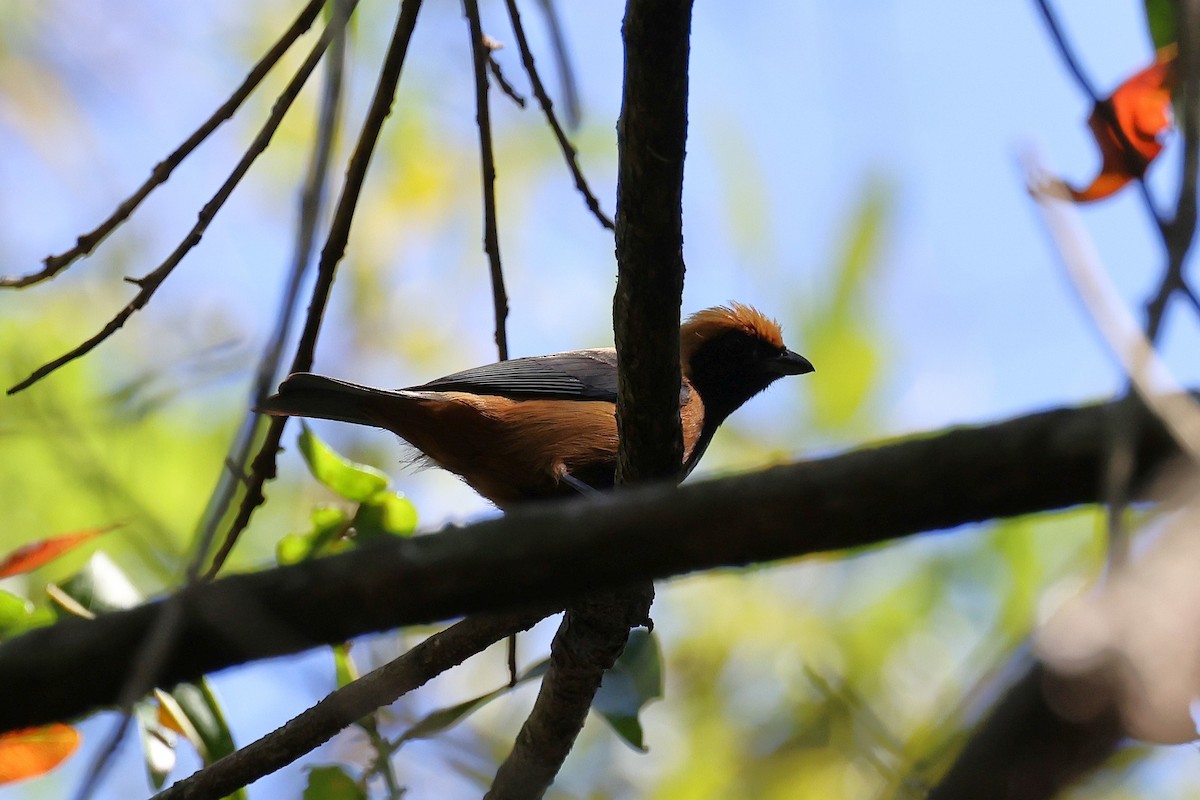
(553, 551)
(1024, 748)
(339, 710)
(263, 465)
(86, 243)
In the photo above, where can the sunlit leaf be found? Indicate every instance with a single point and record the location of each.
(387, 514)
(171, 716)
(36, 554)
(840, 331)
(101, 586)
(837, 402)
(353, 481)
(345, 669)
(328, 526)
(30, 752)
(332, 783)
(633, 681)
(18, 615)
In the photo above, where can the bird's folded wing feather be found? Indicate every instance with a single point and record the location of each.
(579, 374)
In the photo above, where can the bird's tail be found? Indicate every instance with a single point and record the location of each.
(306, 395)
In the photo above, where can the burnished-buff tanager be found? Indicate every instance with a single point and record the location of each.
(545, 426)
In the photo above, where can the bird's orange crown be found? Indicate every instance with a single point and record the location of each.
(712, 322)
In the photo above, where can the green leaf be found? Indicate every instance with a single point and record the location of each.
(387, 514)
(101, 586)
(18, 615)
(328, 527)
(203, 711)
(344, 666)
(841, 331)
(332, 783)
(633, 681)
(1160, 18)
(444, 718)
(353, 481)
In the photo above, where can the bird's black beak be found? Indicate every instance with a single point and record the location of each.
(789, 363)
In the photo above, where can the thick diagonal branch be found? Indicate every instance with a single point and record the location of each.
(552, 551)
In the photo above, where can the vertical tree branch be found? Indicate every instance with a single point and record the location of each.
(651, 138)
(483, 119)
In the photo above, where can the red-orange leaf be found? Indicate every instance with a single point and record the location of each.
(30, 752)
(35, 554)
(1130, 125)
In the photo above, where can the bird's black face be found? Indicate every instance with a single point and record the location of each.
(730, 369)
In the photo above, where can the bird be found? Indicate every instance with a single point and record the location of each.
(545, 426)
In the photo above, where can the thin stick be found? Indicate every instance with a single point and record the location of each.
(88, 242)
(565, 73)
(263, 466)
(539, 91)
(149, 283)
(163, 635)
(491, 239)
(311, 200)
(506, 87)
(1064, 50)
(342, 708)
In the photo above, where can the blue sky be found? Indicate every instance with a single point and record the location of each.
(796, 107)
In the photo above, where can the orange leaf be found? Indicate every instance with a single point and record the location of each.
(36, 554)
(30, 752)
(1130, 125)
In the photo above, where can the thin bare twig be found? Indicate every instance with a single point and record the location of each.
(162, 636)
(1104, 107)
(342, 708)
(88, 242)
(312, 197)
(562, 58)
(509, 90)
(1065, 51)
(149, 283)
(263, 466)
(539, 91)
(491, 240)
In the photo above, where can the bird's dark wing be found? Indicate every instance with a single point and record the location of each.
(576, 375)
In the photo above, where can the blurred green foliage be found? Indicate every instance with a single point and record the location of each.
(842, 676)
